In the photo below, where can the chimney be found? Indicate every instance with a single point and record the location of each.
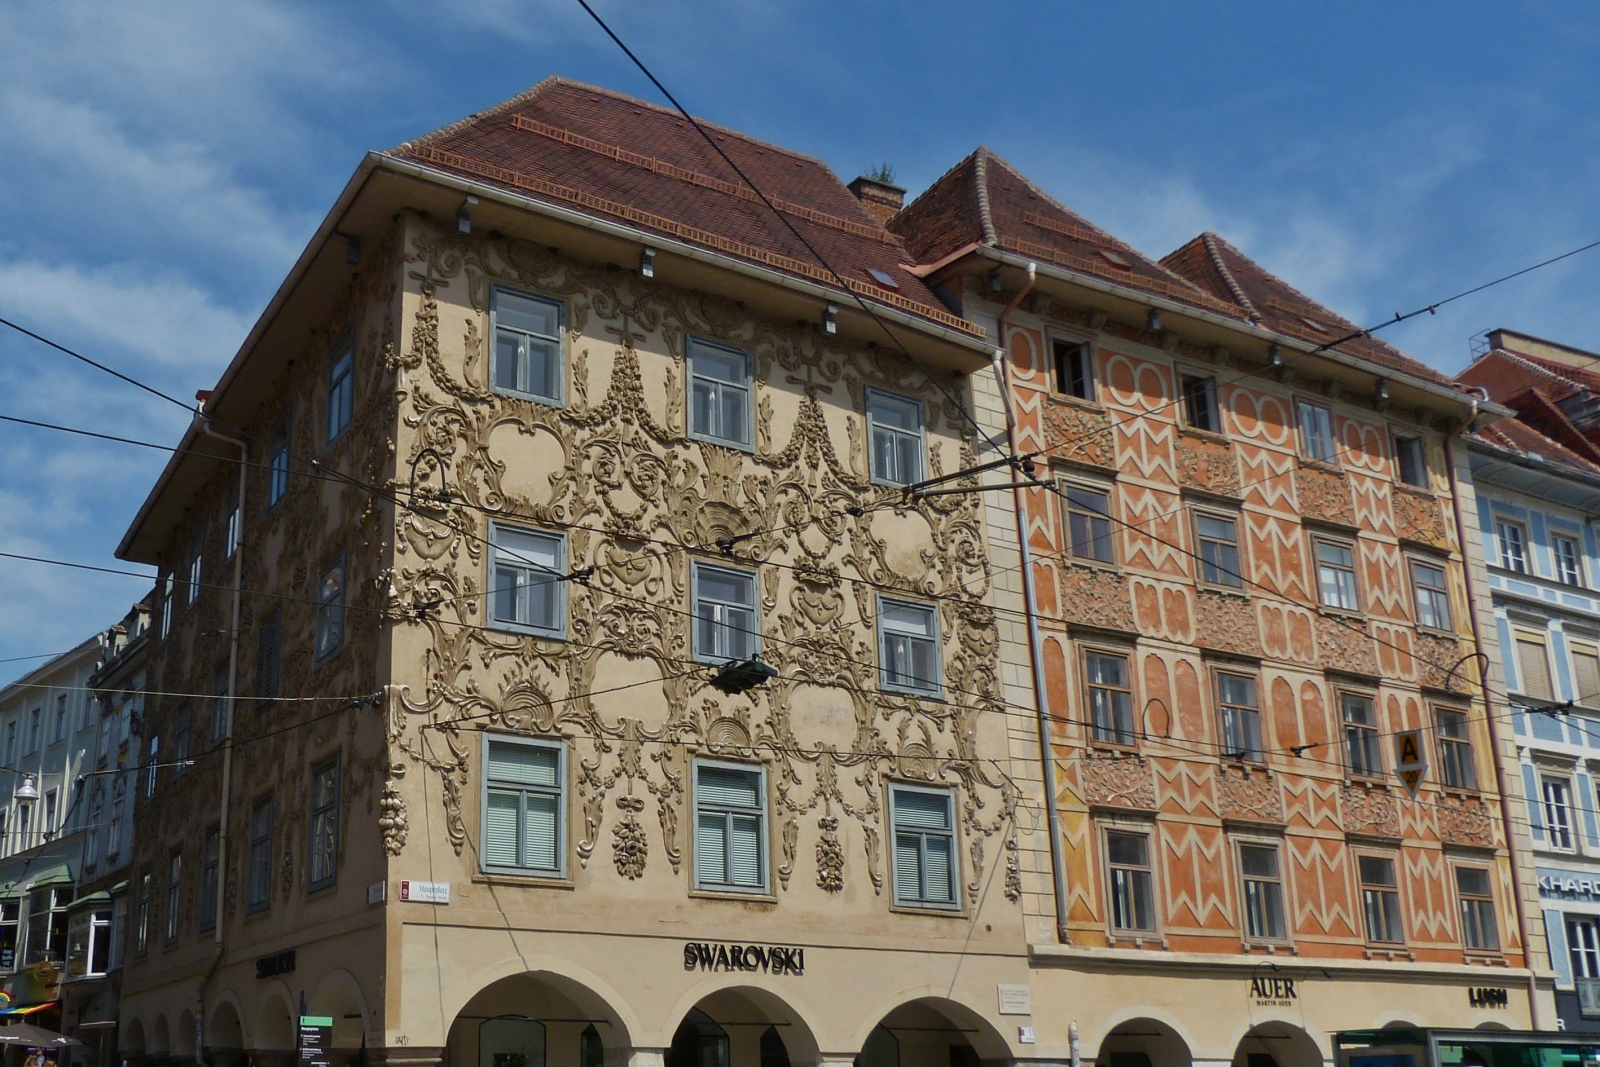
(882, 200)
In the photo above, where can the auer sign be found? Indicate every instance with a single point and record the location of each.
(1273, 992)
(770, 959)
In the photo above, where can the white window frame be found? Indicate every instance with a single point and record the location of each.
(1516, 562)
(1312, 446)
(752, 635)
(1552, 806)
(949, 797)
(763, 812)
(559, 791)
(558, 372)
(896, 434)
(936, 689)
(1354, 570)
(278, 458)
(1574, 576)
(1081, 350)
(513, 559)
(746, 386)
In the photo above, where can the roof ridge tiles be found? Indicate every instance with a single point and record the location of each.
(980, 181)
(1534, 364)
(1210, 240)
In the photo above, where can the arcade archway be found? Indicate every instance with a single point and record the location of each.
(931, 1032)
(742, 1027)
(1143, 1043)
(1277, 1044)
(534, 1020)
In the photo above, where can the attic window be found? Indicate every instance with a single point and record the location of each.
(1314, 324)
(883, 278)
(1114, 259)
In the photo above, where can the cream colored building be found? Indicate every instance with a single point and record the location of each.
(550, 422)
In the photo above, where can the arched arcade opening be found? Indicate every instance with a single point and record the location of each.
(742, 1027)
(1143, 1043)
(534, 1020)
(931, 1032)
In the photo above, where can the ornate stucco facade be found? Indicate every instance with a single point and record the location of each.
(864, 894)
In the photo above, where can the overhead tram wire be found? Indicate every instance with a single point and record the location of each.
(983, 436)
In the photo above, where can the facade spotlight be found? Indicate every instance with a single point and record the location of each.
(647, 263)
(464, 216)
(1275, 356)
(1381, 394)
(830, 319)
(1153, 320)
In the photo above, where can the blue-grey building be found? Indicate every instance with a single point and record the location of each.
(1537, 479)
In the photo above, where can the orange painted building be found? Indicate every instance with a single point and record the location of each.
(1250, 584)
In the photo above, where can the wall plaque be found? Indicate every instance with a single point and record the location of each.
(1016, 999)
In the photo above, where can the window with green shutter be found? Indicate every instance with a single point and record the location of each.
(924, 847)
(729, 828)
(522, 810)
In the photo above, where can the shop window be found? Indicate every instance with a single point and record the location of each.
(89, 943)
(1074, 367)
(1533, 669)
(341, 389)
(1200, 402)
(1132, 888)
(10, 911)
(1513, 541)
(699, 1042)
(924, 847)
(1431, 592)
(1380, 899)
(1110, 697)
(1478, 928)
(324, 864)
(1583, 949)
(1263, 891)
(591, 1049)
(1218, 538)
(730, 828)
(1363, 754)
(719, 394)
(526, 568)
(259, 889)
(1457, 769)
(724, 606)
(1241, 716)
(1336, 574)
(329, 636)
(894, 426)
(1316, 432)
(908, 647)
(511, 1043)
(1411, 460)
(1558, 812)
(1088, 521)
(774, 1053)
(1569, 564)
(522, 807)
(527, 345)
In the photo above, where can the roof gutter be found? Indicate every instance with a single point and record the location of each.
(1456, 400)
(1550, 468)
(979, 346)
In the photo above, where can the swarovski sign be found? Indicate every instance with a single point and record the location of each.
(769, 959)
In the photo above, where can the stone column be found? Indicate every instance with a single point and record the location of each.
(636, 1057)
(406, 1056)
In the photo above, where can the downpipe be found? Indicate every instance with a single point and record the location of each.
(1047, 757)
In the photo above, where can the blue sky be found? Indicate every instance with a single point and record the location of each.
(162, 163)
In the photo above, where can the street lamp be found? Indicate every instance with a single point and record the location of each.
(27, 789)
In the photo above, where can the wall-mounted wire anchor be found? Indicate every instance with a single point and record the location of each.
(442, 494)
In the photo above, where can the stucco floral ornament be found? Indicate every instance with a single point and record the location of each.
(393, 820)
(629, 846)
(830, 856)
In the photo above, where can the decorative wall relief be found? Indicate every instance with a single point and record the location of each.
(1419, 517)
(393, 820)
(1118, 781)
(1206, 463)
(1464, 821)
(830, 855)
(1226, 622)
(1439, 664)
(1095, 596)
(1088, 430)
(1248, 793)
(1344, 645)
(630, 848)
(1324, 495)
(1369, 810)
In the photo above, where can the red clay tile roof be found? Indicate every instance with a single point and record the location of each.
(1230, 275)
(1518, 437)
(985, 200)
(615, 157)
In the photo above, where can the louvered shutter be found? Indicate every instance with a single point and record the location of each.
(711, 848)
(500, 829)
(542, 833)
(1587, 667)
(728, 788)
(744, 850)
(1534, 667)
(937, 869)
(913, 808)
(908, 866)
(524, 764)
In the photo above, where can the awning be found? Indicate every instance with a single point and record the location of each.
(53, 876)
(30, 1009)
